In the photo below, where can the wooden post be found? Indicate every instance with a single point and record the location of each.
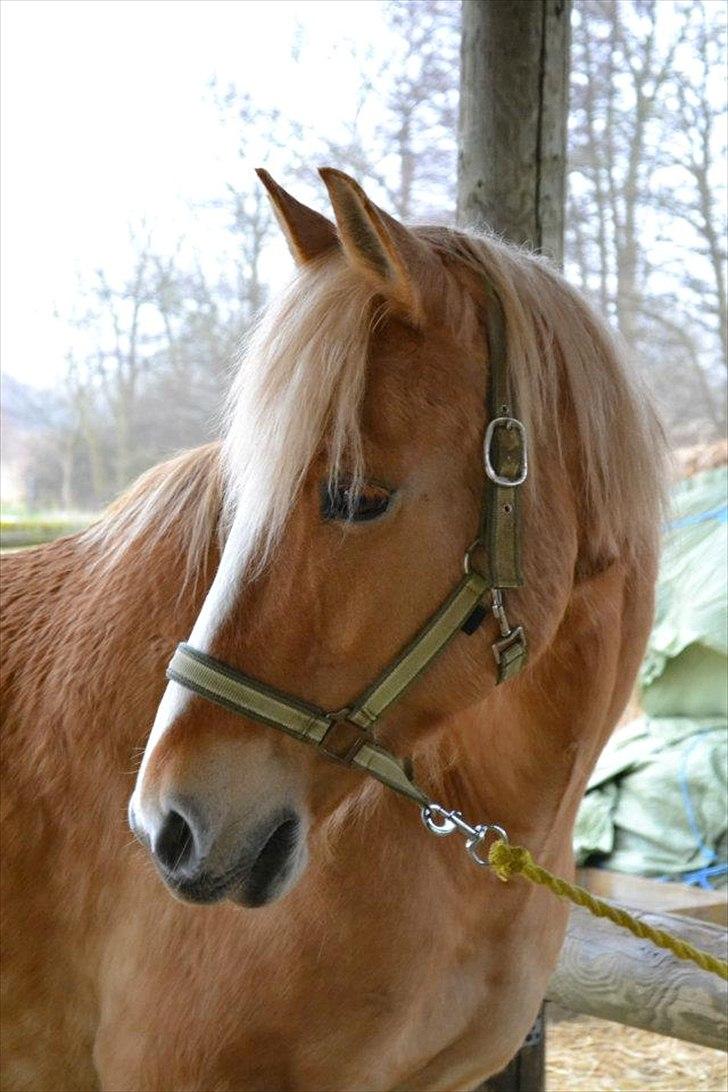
(514, 93)
(514, 96)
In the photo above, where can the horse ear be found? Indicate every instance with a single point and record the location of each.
(383, 248)
(307, 232)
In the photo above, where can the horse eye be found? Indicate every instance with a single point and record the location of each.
(344, 502)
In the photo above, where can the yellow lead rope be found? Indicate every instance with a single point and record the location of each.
(506, 860)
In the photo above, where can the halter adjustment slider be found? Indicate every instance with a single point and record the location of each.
(344, 739)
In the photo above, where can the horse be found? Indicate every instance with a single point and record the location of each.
(280, 920)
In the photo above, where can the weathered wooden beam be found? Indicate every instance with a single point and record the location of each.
(514, 94)
(604, 971)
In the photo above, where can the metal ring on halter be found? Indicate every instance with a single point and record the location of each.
(483, 830)
(441, 829)
(507, 423)
(467, 560)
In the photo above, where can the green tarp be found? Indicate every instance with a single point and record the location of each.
(656, 803)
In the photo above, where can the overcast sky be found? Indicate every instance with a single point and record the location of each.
(107, 120)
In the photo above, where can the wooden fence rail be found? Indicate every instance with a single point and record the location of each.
(606, 972)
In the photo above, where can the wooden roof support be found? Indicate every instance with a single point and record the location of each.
(514, 97)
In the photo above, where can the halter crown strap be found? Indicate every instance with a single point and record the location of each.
(506, 467)
(492, 564)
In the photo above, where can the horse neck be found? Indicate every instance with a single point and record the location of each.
(109, 627)
(523, 756)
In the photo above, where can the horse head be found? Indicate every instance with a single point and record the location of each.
(353, 486)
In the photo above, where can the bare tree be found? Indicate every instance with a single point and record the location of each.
(643, 231)
(264, 136)
(120, 366)
(699, 124)
(160, 337)
(401, 137)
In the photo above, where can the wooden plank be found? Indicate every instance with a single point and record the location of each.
(604, 971)
(655, 896)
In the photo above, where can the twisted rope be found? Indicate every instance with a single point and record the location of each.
(507, 860)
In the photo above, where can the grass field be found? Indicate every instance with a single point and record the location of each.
(19, 529)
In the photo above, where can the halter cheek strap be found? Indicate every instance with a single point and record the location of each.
(492, 564)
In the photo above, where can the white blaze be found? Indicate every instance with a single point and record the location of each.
(218, 603)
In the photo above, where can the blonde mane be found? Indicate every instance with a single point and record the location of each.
(301, 381)
(300, 385)
(563, 357)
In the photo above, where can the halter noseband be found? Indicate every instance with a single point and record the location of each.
(492, 564)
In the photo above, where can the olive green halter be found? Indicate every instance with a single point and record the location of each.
(492, 564)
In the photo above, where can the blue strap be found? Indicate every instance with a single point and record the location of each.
(719, 514)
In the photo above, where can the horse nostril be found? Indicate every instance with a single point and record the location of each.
(174, 844)
(272, 859)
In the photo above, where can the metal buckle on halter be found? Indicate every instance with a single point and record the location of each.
(501, 647)
(508, 423)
